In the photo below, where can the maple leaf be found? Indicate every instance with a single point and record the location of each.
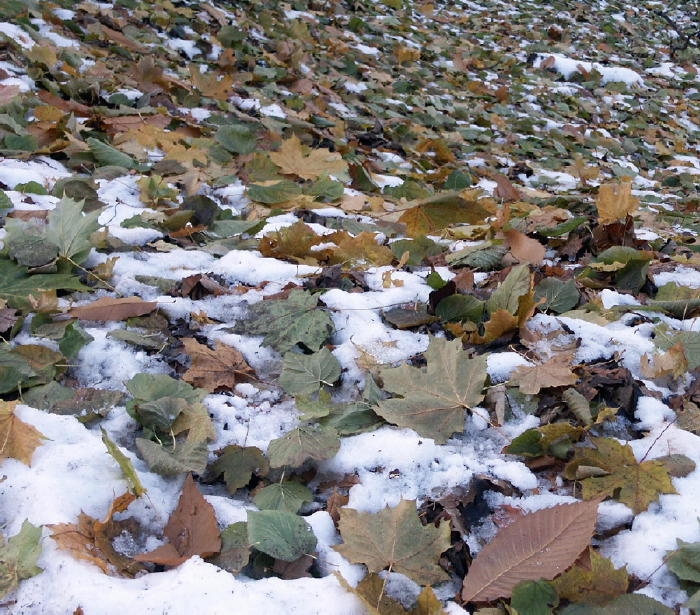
(192, 530)
(554, 373)
(18, 439)
(292, 160)
(394, 538)
(440, 211)
(18, 556)
(632, 483)
(215, 369)
(435, 398)
(292, 243)
(360, 248)
(615, 202)
(91, 539)
(592, 580)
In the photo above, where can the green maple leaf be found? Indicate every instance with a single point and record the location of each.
(435, 398)
(626, 480)
(394, 538)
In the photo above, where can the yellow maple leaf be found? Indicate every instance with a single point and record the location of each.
(292, 160)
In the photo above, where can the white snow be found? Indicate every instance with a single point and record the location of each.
(568, 66)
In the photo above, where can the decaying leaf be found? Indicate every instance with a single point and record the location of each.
(280, 534)
(238, 464)
(91, 539)
(394, 538)
(303, 443)
(18, 556)
(127, 468)
(191, 530)
(216, 369)
(615, 201)
(435, 398)
(593, 580)
(292, 160)
(536, 546)
(553, 373)
(18, 440)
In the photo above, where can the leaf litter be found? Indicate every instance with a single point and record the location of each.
(387, 285)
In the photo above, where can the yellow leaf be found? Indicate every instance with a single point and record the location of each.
(292, 160)
(18, 440)
(615, 202)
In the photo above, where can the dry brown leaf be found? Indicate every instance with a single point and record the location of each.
(91, 540)
(291, 159)
(7, 93)
(615, 202)
(500, 323)
(18, 439)
(110, 308)
(540, 545)
(192, 530)
(554, 373)
(524, 248)
(215, 369)
(505, 189)
(123, 41)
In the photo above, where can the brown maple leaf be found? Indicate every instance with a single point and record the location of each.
(220, 368)
(18, 439)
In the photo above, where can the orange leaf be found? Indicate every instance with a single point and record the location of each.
(18, 439)
(524, 248)
(109, 308)
(215, 369)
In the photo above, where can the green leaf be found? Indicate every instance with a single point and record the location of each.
(235, 548)
(149, 387)
(26, 243)
(629, 604)
(325, 189)
(5, 202)
(303, 443)
(288, 496)
(74, 338)
(280, 534)
(18, 557)
(236, 138)
(558, 296)
(287, 322)
(183, 457)
(304, 374)
(690, 340)
(279, 192)
(160, 414)
(69, 230)
(127, 468)
(435, 398)
(16, 284)
(238, 464)
(418, 249)
(508, 293)
(106, 155)
(534, 598)
(460, 307)
(83, 403)
(684, 562)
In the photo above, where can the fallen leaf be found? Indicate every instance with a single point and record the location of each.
(238, 464)
(18, 440)
(394, 538)
(524, 248)
(615, 202)
(111, 308)
(435, 398)
(533, 378)
(216, 369)
(191, 530)
(303, 443)
(280, 534)
(292, 160)
(91, 540)
(18, 557)
(593, 580)
(632, 483)
(539, 545)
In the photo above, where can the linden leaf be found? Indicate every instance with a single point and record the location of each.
(435, 398)
(18, 556)
(532, 378)
(394, 538)
(288, 322)
(191, 530)
(534, 598)
(280, 534)
(238, 464)
(615, 202)
(286, 495)
(632, 483)
(558, 296)
(303, 374)
(593, 580)
(536, 546)
(293, 161)
(303, 443)
(215, 369)
(18, 439)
